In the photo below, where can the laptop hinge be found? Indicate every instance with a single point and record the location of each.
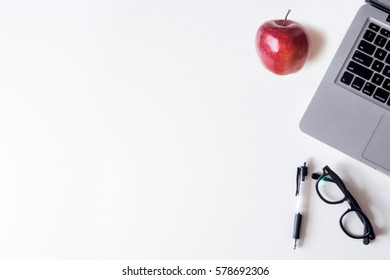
(379, 6)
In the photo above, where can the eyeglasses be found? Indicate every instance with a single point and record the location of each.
(331, 189)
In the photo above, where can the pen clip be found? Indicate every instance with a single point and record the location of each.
(298, 176)
(301, 175)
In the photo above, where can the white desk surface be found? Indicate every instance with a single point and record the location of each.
(150, 130)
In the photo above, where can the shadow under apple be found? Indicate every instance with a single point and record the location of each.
(317, 42)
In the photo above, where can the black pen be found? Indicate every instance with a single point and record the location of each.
(300, 192)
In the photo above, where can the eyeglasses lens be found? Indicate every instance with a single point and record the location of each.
(329, 190)
(353, 224)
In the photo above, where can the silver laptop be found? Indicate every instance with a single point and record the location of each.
(350, 110)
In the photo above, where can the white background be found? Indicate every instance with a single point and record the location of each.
(150, 130)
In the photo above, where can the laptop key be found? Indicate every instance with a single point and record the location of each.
(381, 95)
(385, 32)
(359, 70)
(386, 72)
(369, 89)
(374, 27)
(386, 84)
(377, 65)
(366, 47)
(380, 54)
(369, 35)
(380, 41)
(362, 58)
(358, 83)
(347, 78)
(377, 79)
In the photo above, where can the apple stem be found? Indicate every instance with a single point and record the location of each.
(285, 19)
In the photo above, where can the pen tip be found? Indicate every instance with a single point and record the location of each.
(295, 244)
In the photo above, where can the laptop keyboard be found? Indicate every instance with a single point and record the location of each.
(368, 68)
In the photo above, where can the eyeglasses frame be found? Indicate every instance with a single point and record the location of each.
(354, 205)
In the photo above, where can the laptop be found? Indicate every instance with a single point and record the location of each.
(350, 111)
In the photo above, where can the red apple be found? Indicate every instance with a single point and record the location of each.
(283, 45)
